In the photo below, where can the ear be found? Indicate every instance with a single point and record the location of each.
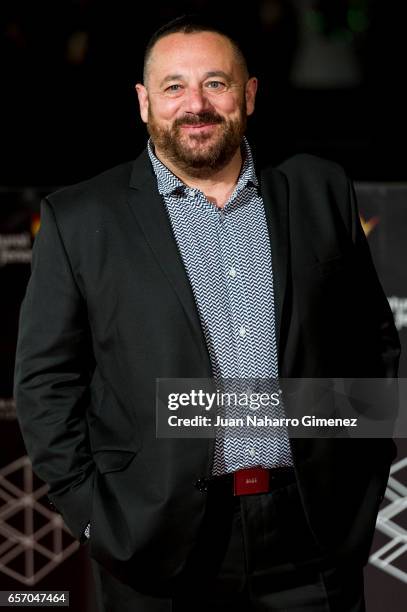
(143, 101)
(250, 93)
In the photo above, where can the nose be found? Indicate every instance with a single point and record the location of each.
(196, 100)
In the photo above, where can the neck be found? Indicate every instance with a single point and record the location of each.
(218, 186)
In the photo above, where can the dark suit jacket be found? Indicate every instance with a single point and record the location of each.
(109, 308)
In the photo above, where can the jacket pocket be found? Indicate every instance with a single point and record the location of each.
(113, 460)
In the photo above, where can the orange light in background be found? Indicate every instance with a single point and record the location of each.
(35, 224)
(369, 225)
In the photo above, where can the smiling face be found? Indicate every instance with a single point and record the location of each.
(195, 101)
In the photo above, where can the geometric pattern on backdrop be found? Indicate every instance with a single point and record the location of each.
(389, 556)
(33, 538)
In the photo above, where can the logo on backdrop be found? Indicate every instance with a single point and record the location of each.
(397, 304)
(16, 248)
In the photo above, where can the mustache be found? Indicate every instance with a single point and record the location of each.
(204, 117)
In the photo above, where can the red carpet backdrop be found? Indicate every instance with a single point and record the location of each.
(383, 209)
(37, 551)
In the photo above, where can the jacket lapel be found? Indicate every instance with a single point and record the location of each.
(149, 210)
(275, 197)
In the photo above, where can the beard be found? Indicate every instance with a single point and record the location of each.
(199, 155)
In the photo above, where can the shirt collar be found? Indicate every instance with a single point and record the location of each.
(168, 183)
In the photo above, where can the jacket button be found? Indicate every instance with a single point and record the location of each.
(201, 484)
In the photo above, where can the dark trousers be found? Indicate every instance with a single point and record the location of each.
(254, 553)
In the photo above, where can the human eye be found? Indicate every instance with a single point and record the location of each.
(216, 86)
(173, 89)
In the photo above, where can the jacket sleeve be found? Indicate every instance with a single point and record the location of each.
(53, 368)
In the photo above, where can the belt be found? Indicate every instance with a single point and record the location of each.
(252, 481)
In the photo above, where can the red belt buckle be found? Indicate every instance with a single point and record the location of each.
(250, 481)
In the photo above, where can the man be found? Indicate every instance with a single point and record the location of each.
(188, 264)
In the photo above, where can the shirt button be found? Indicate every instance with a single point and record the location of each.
(232, 272)
(242, 332)
(251, 452)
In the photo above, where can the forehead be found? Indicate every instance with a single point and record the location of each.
(198, 52)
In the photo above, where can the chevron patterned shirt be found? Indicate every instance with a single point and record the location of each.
(227, 257)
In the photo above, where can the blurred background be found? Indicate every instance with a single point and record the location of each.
(331, 84)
